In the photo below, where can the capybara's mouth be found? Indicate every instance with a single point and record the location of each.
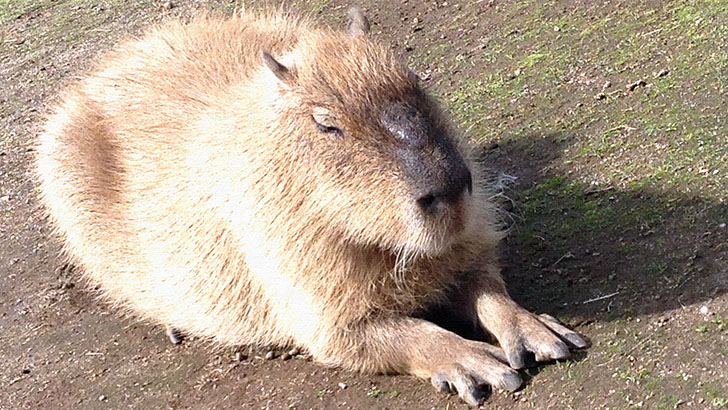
(446, 227)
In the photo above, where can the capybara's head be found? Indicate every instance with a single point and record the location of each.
(383, 163)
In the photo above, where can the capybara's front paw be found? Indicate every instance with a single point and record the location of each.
(542, 335)
(478, 365)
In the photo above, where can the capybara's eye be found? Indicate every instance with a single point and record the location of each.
(325, 122)
(329, 129)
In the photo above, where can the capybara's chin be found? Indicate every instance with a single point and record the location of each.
(434, 235)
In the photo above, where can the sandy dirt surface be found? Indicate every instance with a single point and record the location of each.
(605, 120)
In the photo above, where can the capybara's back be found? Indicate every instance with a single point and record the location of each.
(136, 171)
(259, 180)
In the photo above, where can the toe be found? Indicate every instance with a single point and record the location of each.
(465, 386)
(555, 350)
(564, 332)
(441, 383)
(517, 356)
(511, 381)
(576, 340)
(475, 395)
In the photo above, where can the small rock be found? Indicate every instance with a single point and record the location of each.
(704, 310)
(636, 84)
(102, 398)
(286, 356)
(294, 351)
(238, 356)
(270, 355)
(5, 198)
(557, 28)
(174, 335)
(721, 226)
(662, 73)
(168, 5)
(343, 386)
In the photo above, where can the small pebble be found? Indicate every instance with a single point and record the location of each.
(721, 226)
(636, 84)
(343, 385)
(168, 5)
(174, 335)
(238, 357)
(294, 352)
(102, 398)
(704, 310)
(286, 356)
(270, 355)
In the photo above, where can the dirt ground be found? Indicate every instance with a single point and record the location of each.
(606, 122)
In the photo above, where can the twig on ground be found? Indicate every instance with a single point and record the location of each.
(621, 127)
(566, 255)
(600, 298)
(15, 380)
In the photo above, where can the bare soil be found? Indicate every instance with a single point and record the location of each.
(609, 119)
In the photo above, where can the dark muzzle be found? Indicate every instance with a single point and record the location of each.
(430, 160)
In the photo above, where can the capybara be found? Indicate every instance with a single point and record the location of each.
(258, 180)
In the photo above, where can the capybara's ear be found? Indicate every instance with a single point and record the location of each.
(358, 22)
(279, 70)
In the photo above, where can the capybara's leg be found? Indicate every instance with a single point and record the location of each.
(418, 347)
(519, 331)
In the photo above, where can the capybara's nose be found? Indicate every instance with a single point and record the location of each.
(449, 193)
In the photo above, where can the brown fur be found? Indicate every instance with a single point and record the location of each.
(191, 185)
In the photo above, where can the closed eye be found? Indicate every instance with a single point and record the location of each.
(329, 129)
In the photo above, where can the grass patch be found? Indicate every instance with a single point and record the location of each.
(544, 76)
(715, 394)
(12, 9)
